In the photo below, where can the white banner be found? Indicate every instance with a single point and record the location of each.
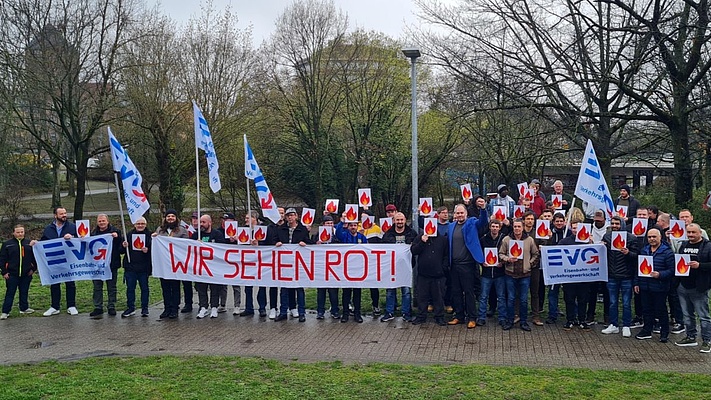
(293, 266)
(577, 263)
(591, 186)
(60, 260)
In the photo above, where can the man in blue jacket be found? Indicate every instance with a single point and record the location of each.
(653, 289)
(61, 228)
(465, 255)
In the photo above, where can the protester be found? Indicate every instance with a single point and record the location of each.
(492, 276)
(433, 262)
(170, 287)
(621, 267)
(292, 232)
(332, 292)
(138, 268)
(104, 227)
(694, 289)
(518, 273)
(350, 235)
(653, 289)
(17, 266)
(61, 228)
(400, 232)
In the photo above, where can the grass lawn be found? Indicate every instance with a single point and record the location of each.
(233, 377)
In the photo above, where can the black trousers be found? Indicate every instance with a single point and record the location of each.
(346, 299)
(430, 289)
(55, 292)
(465, 281)
(187, 294)
(171, 294)
(576, 297)
(654, 305)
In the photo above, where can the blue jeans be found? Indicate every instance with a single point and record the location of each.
(249, 299)
(321, 300)
(133, 278)
(553, 294)
(614, 287)
(500, 286)
(13, 283)
(391, 299)
(300, 300)
(694, 302)
(521, 285)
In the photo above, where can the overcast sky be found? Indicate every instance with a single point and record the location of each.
(387, 16)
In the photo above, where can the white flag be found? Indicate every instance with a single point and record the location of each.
(252, 171)
(203, 140)
(591, 186)
(136, 202)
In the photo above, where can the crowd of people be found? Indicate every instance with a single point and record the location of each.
(451, 273)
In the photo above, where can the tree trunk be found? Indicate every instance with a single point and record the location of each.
(684, 185)
(82, 156)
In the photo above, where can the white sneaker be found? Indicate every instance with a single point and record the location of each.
(626, 331)
(28, 311)
(50, 312)
(611, 329)
(72, 311)
(295, 313)
(3, 316)
(213, 312)
(272, 313)
(202, 313)
(236, 311)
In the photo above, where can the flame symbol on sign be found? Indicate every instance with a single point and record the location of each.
(516, 250)
(556, 202)
(619, 243)
(231, 231)
(621, 212)
(243, 237)
(542, 231)
(367, 224)
(307, 219)
(583, 234)
(639, 229)
(331, 207)
(364, 199)
(491, 258)
(518, 213)
(259, 234)
(351, 214)
(138, 243)
(466, 193)
(386, 226)
(529, 195)
(682, 267)
(430, 229)
(676, 231)
(325, 236)
(426, 208)
(499, 215)
(82, 230)
(645, 268)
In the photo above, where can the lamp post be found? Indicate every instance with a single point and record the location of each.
(413, 53)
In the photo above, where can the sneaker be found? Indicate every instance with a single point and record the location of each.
(568, 326)
(4, 316)
(272, 313)
(637, 323)
(481, 322)
(202, 313)
(387, 317)
(320, 315)
(677, 329)
(705, 347)
(262, 313)
(377, 311)
(302, 318)
(71, 311)
(525, 326)
(550, 320)
(144, 312)
(357, 318)
(407, 318)
(128, 313)
(610, 330)
(186, 310)
(335, 315)
(686, 342)
(213, 312)
(590, 322)
(642, 335)
(235, 311)
(584, 326)
(221, 309)
(98, 313)
(246, 313)
(295, 313)
(626, 332)
(27, 311)
(112, 311)
(507, 325)
(657, 328)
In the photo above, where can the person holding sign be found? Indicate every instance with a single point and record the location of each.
(492, 274)
(138, 269)
(350, 235)
(626, 199)
(208, 235)
(653, 288)
(694, 289)
(171, 287)
(292, 232)
(518, 253)
(433, 263)
(327, 221)
(61, 228)
(621, 262)
(103, 227)
(575, 294)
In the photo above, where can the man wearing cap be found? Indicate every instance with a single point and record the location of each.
(567, 198)
(292, 232)
(694, 289)
(626, 199)
(236, 289)
(390, 210)
(599, 229)
(171, 287)
(208, 235)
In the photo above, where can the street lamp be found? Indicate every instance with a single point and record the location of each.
(413, 53)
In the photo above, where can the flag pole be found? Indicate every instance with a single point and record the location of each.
(569, 217)
(197, 178)
(123, 222)
(249, 201)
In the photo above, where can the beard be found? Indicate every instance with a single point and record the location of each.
(171, 225)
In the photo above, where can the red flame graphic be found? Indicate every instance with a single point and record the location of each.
(516, 250)
(259, 234)
(466, 193)
(542, 231)
(364, 199)
(138, 243)
(385, 226)
(430, 229)
(529, 195)
(676, 231)
(351, 214)
(243, 237)
(639, 229)
(426, 208)
(499, 214)
(619, 243)
(621, 212)
(325, 236)
(557, 203)
(583, 234)
(367, 224)
(645, 268)
(518, 212)
(491, 258)
(522, 190)
(682, 267)
(307, 219)
(82, 230)
(231, 231)
(331, 207)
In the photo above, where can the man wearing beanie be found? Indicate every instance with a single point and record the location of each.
(626, 199)
(502, 199)
(171, 287)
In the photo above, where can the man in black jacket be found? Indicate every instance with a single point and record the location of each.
(103, 227)
(694, 289)
(17, 265)
(207, 234)
(433, 262)
(399, 233)
(621, 269)
(292, 232)
(139, 268)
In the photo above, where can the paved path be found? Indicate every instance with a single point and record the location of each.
(64, 337)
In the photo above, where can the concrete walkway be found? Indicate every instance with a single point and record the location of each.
(64, 337)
